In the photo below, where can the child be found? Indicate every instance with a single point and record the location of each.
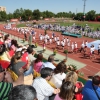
(44, 46)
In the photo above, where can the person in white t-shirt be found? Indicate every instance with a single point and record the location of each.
(75, 49)
(92, 49)
(72, 47)
(59, 74)
(98, 49)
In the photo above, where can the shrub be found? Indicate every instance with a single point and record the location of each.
(65, 51)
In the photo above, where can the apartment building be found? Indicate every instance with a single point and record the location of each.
(2, 8)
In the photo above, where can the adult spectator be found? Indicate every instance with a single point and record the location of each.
(31, 53)
(22, 92)
(43, 89)
(66, 91)
(91, 90)
(49, 63)
(4, 55)
(31, 59)
(6, 83)
(73, 77)
(38, 62)
(59, 74)
(17, 63)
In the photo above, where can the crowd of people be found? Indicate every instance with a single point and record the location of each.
(60, 43)
(77, 29)
(49, 82)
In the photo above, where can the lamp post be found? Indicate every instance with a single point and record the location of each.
(84, 9)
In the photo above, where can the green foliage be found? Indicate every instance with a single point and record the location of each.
(72, 67)
(55, 51)
(3, 16)
(91, 15)
(65, 51)
(36, 14)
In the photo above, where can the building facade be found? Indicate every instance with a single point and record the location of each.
(2, 8)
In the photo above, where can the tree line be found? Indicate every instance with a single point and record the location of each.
(27, 14)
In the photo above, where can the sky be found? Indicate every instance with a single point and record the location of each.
(54, 6)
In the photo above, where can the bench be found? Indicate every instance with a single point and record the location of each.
(72, 34)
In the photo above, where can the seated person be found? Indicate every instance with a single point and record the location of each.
(38, 63)
(73, 77)
(43, 89)
(4, 55)
(66, 91)
(22, 92)
(59, 74)
(49, 63)
(91, 90)
(17, 63)
(6, 83)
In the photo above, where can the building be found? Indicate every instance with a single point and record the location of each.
(2, 8)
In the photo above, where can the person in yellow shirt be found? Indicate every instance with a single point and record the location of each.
(4, 55)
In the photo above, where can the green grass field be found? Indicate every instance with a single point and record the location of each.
(21, 25)
(93, 25)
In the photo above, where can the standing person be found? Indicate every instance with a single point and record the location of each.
(68, 44)
(43, 89)
(50, 40)
(58, 44)
(98, 49)
(44, 46)
(30, 39)
(86, 43)
(92, 49)
(72, 47)
(75, 45)
(34, 37)
(91, 90)
(25, 36)
(82, 46)
(53, 35)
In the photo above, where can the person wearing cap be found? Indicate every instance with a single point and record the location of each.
(91, 90)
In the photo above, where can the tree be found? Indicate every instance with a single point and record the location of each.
(27, 15)
(79, 16)
(17, 13)
(3, 16)
(91, 15)
(10, 16)
(36, 14)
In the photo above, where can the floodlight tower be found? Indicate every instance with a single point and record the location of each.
(84, 8)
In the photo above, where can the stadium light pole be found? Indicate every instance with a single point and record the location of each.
(84, 9)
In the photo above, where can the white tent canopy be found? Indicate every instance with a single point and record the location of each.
(95, 43)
